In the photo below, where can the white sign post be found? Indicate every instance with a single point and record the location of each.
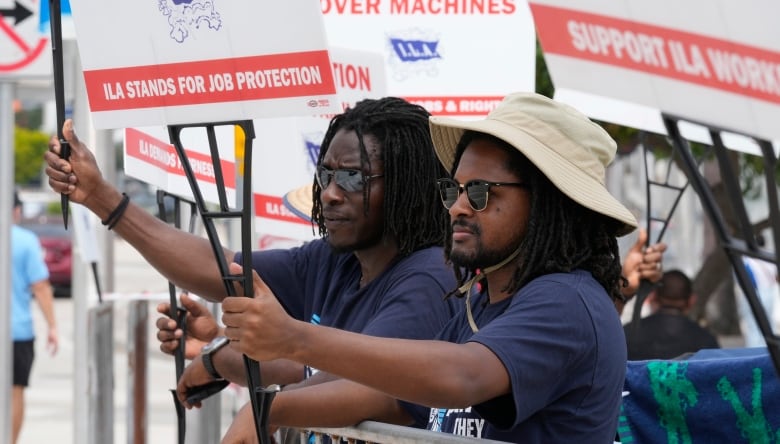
(456, 58)
(711, 61)
(150, 158)
(176, 62)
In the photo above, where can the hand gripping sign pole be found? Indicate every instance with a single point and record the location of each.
(260, 396)
(177, 313)
(55, 20)
(743, 242)
(654, 218)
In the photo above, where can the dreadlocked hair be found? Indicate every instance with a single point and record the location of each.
(413, 214)
(561, 235)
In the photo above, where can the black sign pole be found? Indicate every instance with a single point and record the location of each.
(261, 397)
(645, 286)
(177, 313)
(735, 246)
(55, 21)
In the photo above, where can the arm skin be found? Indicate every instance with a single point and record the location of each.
(405, 369)
(640, 264)
(201, 328)
(336, 403)
(172, 252)
(45, 296)
(230, 365)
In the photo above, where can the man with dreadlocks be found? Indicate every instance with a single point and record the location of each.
(379, 268)
(537, 355)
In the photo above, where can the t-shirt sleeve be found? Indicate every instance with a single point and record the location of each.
(35, 266)
(285, 271)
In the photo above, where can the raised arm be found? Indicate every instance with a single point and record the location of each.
(184, 259)
(44, 294)
(336, 403)
(412, 370)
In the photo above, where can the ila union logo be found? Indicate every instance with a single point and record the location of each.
(414, 52)
(184, 16)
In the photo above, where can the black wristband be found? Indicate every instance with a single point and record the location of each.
(115, 215)
(208, 364)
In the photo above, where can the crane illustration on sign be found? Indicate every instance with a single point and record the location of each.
(17, 49)
(183, 15)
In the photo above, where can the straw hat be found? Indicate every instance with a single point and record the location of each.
(299, 202)
(571, 150)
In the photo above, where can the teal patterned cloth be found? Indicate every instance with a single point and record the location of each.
(714, 396)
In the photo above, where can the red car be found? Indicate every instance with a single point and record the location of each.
(57, 243)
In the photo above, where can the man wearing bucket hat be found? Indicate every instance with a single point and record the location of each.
(379, 268)
(537, 354)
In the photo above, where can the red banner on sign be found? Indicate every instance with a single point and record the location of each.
(211, 81)
(698, 59)
(457, 105)
(163, 155)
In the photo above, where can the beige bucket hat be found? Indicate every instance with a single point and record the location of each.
(570, 149)
(299, 202)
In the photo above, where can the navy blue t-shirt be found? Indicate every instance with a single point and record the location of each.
(316, 285)
(561, 341)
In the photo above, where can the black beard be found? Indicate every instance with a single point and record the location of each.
(480, 258)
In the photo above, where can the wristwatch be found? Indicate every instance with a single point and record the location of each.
(207, 355)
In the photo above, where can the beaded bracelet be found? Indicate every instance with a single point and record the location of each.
(115, 215)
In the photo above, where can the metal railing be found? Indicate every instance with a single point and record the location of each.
(379, 432)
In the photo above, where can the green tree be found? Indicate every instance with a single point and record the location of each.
(29, 146)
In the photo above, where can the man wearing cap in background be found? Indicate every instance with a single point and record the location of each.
(29, 278)
(537, 354)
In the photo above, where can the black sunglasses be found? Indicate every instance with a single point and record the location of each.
(477, 191)
(348, 180)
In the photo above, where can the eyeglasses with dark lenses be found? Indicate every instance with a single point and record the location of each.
(348, 180)
(477, 191)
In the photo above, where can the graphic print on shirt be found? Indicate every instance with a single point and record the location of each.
(462, 422)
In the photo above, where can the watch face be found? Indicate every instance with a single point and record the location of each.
(216, 344)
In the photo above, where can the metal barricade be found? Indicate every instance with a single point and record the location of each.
(100, 374)
(380, 433)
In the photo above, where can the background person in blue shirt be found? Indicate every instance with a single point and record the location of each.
(29, 278)
(537, 354)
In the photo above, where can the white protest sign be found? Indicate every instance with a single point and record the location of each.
(721, 68)
(456, 58)
(150, 158)
(86, 235)
(167, 62)
(286, 149)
